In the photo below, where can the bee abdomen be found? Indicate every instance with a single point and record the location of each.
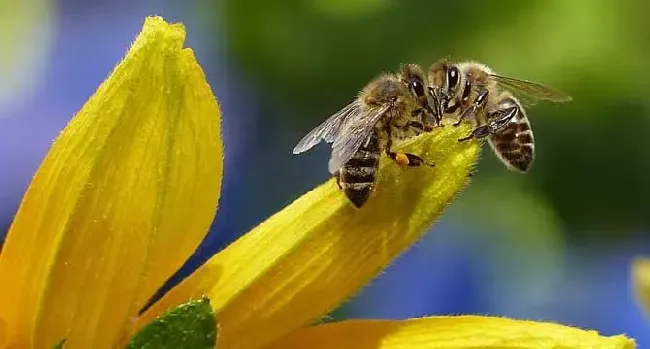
(358, 183)
(515, 146)
(358, 193)
(354, 175)
(358, 175)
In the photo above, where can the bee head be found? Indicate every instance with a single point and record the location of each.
(413, 77)
(453, 79)
(438, 74)
(445, 76)
(387, 89)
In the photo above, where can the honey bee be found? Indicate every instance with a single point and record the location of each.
(495, 102)
(390, 108)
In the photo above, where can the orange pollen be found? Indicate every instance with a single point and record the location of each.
(401, 159)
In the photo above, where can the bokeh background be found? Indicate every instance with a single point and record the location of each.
(554, 244)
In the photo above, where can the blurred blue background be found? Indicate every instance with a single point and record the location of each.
(554, 244)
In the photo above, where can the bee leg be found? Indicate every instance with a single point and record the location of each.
(418, 126)
(436, 107)
(406, 159)
(479, 102)
(479, 132)
(417, 112)
(499, 119)
(421, 126)
(411, 160)
(337, 175)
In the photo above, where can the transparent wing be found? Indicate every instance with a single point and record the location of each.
(329, 129)
(530, 92)
(354, 133)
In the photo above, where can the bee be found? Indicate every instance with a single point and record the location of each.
(389, 108)
(495, 102)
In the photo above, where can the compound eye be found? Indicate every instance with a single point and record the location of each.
(452, 77)
(417, 87)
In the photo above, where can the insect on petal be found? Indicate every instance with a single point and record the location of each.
(123, 198)
(318, 251)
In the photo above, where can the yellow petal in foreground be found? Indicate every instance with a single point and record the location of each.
(641, 282)
(3, 331)
(449, 332)
(305, 260)
(123, 198)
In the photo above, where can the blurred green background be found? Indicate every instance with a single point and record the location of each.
(558, 239)
(554, 244)
(311, 56)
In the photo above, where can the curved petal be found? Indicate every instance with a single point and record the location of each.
(123, 198)
(306, 259)
(449, 332)
(641, 282)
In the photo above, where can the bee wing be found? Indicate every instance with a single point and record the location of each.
(328, 129)
(354, 133)
(530, 92)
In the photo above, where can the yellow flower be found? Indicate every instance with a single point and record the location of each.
(448, 332)
(641, 282)
(122, 199)
(129, 189)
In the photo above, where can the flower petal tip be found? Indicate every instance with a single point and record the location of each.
(136, 174)
(156, 24)
(156, 31)
(622, 342)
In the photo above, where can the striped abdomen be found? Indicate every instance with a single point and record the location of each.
(515, 145)
(357, 177)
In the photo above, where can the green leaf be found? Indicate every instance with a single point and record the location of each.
(59, 345)
(192, 325)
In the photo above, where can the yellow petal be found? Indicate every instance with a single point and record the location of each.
(123, 198)
(449, 332)
(305, 260)
(641, 282)
(3, 333)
